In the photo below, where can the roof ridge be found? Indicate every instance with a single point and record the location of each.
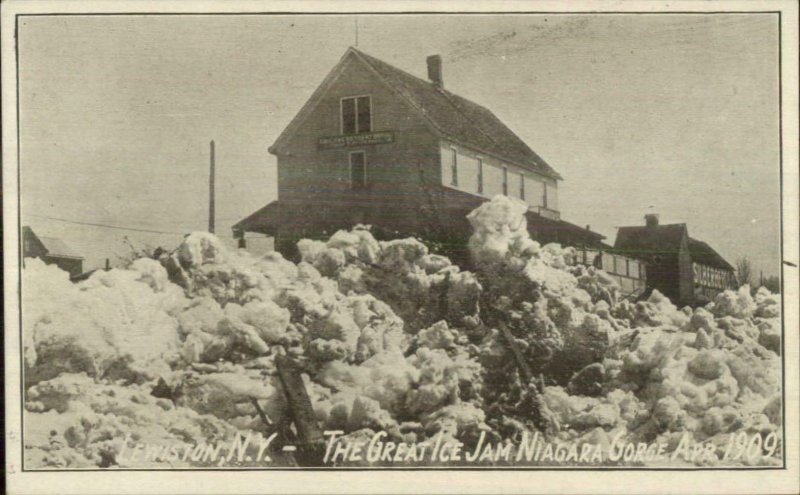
(528, 159)
(449, 96)
(445, 92)
(442, 89)
(681, 224)
(398, 69)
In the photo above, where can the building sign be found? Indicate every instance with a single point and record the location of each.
(331, 142)
(711, 277)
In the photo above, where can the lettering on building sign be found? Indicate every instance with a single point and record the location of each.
(332, 142)
(710, 277)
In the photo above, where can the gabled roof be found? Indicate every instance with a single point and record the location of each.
(448, 115)
(705, 254)
(666, 239)
(648, 241)
(57, 249)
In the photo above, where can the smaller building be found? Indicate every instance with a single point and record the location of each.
(52, 251)
(686, 270)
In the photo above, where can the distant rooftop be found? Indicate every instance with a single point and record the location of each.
(666, 239)
(54, 246)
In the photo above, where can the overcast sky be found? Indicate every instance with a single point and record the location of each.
(670, 114)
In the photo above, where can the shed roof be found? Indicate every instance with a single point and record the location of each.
(265, 219)
(449, 115)
(57, 248)
(271, 216)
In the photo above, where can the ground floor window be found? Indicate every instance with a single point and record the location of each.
(358, 170)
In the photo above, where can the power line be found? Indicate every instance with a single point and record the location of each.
(107, 226)
(133, 229)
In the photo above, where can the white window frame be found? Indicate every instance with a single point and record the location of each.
(350, 167)
(341, 112)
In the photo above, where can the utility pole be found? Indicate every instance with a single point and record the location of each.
(211, 192)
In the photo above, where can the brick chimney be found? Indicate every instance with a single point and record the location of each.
(435, 70)
(651, 219)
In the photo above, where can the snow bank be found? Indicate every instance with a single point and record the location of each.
(389, 337)
(420, 287)
(74, 422)
(118, 324)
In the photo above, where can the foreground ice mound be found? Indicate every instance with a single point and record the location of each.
(388, 337)
(118, 324)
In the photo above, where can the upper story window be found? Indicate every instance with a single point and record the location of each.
(356, 114)
(358, 170)
(505, 181)
(480, 176)
(522, 186)
(453, 167)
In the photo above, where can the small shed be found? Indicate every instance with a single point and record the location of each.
(52, 251)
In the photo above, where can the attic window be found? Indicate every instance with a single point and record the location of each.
(356, 115)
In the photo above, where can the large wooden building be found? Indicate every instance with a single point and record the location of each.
(376, 145)
(686, 270)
